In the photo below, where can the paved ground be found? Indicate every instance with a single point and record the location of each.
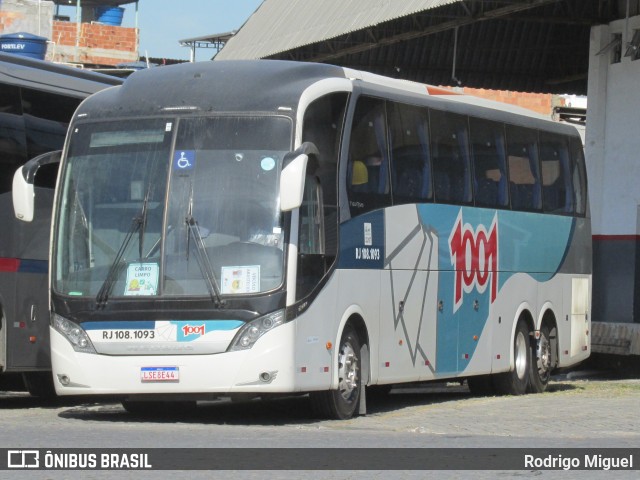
(579, 410)
(572, 409)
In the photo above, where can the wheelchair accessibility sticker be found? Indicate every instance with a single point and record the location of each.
(184, 160)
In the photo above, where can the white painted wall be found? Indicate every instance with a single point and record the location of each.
(613, 133)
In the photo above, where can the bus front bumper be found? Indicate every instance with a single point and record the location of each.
(267, 367)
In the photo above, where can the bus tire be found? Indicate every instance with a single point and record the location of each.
(39, 384)
(516, 381)
(342, 404)
(541, 364)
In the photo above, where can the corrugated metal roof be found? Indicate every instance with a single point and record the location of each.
(522, 45)
(281, 25)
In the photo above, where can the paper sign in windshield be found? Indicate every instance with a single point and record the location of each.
(244, 279)
(142, 279)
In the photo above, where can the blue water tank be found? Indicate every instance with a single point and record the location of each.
(110, 15)
(24, 44)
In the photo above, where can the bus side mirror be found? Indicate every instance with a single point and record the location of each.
(22, 191)
(292, 183)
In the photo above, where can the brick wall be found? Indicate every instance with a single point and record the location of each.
(98, 44)
(538, 102)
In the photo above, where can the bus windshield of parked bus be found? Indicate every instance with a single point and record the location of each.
(167, 207)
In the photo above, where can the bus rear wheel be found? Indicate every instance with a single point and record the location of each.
(342, 404)
(516, 381)
(542, 365)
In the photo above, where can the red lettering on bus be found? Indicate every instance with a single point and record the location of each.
(193, 330)
(474, 255)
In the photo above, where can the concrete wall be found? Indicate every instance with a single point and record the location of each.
(27, 16)
(613, 160)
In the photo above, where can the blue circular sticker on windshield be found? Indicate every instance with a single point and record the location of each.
(267, 163)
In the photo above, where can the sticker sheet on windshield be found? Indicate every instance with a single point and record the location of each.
(184, 160)
(142, 279)
(244, 279)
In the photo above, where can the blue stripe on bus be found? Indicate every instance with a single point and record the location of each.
(33, 266)
(362, 242)
(530, 243)
(210, 325)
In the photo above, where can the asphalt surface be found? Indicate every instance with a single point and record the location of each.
(583, 409)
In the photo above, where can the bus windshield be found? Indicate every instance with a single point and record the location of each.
(139, 217)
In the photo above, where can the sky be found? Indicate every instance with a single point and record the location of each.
(163, 23)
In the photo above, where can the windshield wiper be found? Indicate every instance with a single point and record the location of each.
(201, 254)
(203, 260)
(138, 223)
(143, 221)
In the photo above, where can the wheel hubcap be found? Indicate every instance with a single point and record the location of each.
(347, 371)
(521, 355)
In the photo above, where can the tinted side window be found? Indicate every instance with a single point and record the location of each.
(578, 176)
(410, 157)
(368, 168)
(557, 188)
(318, 227)
(450, 157)
(46, 117)
(311, 227)
(322, 125)
(489, 163)
(13, 148)
(524, 170)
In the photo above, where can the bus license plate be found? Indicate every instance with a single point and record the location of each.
(159, 374)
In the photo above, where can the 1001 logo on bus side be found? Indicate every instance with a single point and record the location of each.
(474, 256)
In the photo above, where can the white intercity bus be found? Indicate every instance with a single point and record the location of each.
(266, 227)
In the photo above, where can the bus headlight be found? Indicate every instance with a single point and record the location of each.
(74, 333)
(252, 331)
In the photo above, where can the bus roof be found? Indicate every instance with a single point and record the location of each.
(269, 86)
(223, 86)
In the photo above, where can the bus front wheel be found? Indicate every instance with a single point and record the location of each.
(342, 404)
(516, 381)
